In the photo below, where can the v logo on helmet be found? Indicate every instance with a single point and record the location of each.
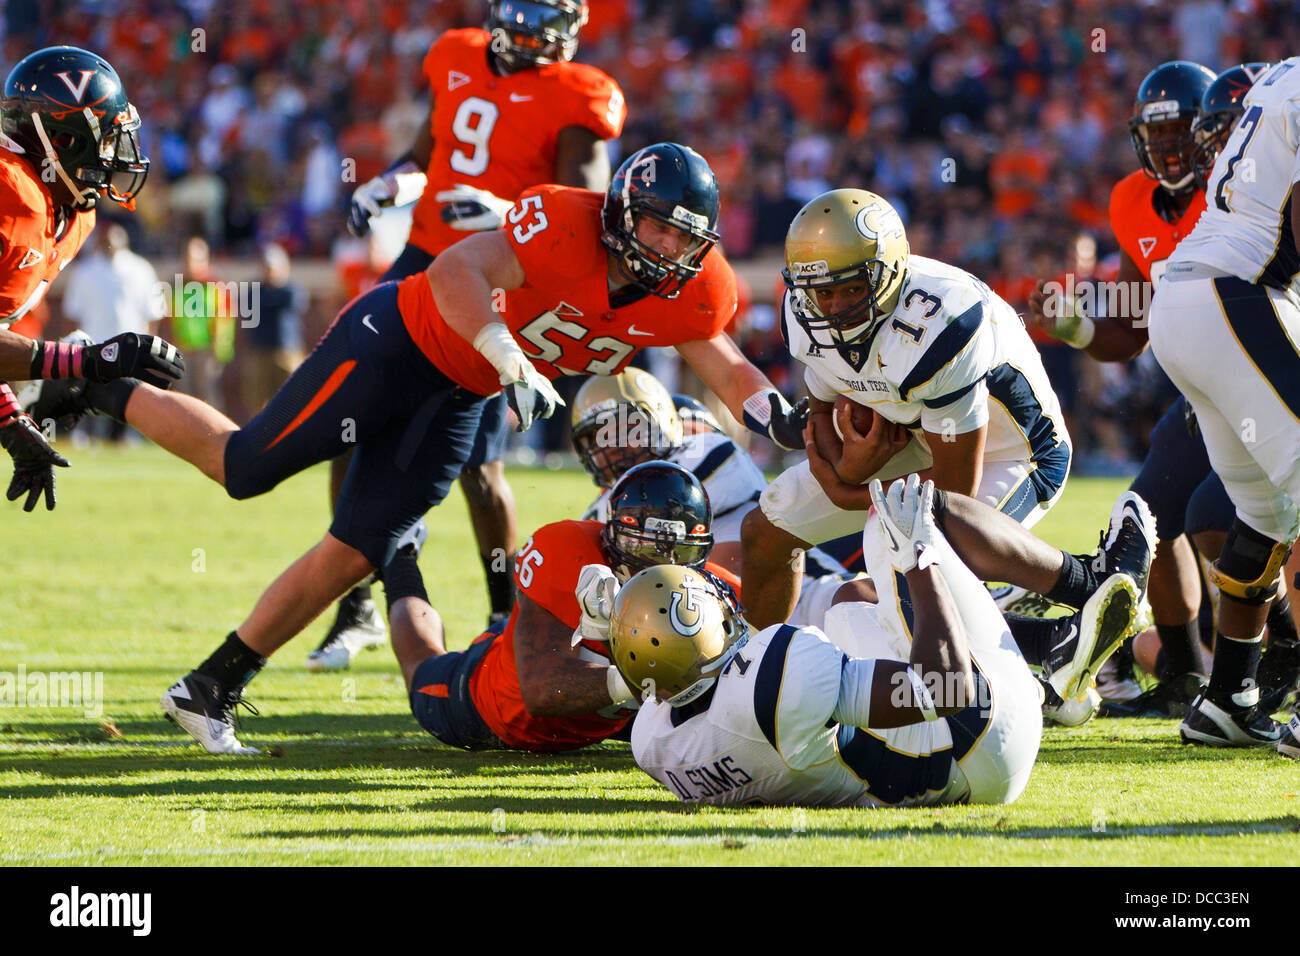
(80, 88)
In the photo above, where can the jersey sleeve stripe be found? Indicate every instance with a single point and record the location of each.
(726, 511)
(946, 347)
(713, 461)
(1009, 388)
(951, 397)
(767, 685)
(1281, 269)
(1255, 324)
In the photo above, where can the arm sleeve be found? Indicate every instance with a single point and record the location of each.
(546, 568)
(955, 397)
(598, 104)
(853, 706)
(549, 238)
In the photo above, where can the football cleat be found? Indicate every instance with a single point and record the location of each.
(1070, 713)
(357, 626)
(199, 706)
(1279, 675)
(1091, 636)
(1288, 745)
(1115, 680)
(1013, 599)
(1208, 723)
(1129, 543)
(1172, 697)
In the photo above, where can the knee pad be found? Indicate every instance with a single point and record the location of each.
(1250, 566)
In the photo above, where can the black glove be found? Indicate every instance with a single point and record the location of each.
(33, 462)
(784, 424)
(133, 355)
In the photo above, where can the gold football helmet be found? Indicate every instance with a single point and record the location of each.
(845, 263)
(671, 634)
(623, 420)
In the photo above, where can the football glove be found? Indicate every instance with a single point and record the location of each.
(597, 588)
(34, 462)
(906, 515)
(398, 186)
(768, 413)
(473, 210)
(133, 355)
(532, 397)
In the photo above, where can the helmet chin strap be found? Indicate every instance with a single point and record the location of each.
(83, 198)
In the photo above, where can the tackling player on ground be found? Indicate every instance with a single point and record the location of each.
(922, 699)
(509, 110)
(67, 139)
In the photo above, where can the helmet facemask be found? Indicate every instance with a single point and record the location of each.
(632, 547)
(528, 34)
(614, 437)
(854, 325)
(115, 166)
(1164, 144)
(662, 274)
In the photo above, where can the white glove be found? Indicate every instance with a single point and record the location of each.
(906, 516)
(597, 588)
(397, 187)
(473, 210)
(528, 391)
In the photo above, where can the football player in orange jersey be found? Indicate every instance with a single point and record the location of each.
(542, 680)
(581, 281)
(67, 137)
(509, 110)
(1180, 119)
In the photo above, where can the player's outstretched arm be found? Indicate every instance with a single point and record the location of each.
(553, 679)
(1110, 339)
(15, 356)
(581, 159)
(748, 394)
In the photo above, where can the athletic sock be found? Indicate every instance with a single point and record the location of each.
(500, 584)
(1236, 663)
(1179, 644)
(1281, 623)
(1035, 636)
(232, 665)
(402, 578)
(1076, 583)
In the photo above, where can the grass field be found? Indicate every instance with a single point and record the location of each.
(145, 566)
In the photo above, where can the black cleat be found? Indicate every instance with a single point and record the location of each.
(1208, 723)
(1129, 543)
(1279, 675)
(206, 711)
(1171, 698)
(1091, 636)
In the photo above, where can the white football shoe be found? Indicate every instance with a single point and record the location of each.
(1074, 712)
(357, 626)
(195, 703)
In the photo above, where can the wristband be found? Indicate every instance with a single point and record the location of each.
(9, 406)
(495, 343)
(408, 181)
(619, 692)
(924, 702)
(56, 360)
(1077, 333)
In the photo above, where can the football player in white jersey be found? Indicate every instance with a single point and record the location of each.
(956, 385)
(1224, 325)
(622, 420)
(922, 699)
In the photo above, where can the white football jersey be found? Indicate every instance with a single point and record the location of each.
(951, 357)
(767, 736)
(1246, 227)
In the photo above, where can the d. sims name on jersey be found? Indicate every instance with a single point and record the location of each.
(724, 775)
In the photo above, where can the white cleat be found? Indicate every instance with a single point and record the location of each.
(357, 626)
(195, 703)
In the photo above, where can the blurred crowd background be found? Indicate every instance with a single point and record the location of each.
(996, 128)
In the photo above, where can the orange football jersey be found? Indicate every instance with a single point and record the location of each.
(561, 316)
(499, 132)
(547, 569)
(1138, 228)
(31, 257)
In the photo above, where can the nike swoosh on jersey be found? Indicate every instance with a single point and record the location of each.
(632, 330)
(366, 322)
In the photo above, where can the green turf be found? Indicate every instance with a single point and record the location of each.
(145, 566)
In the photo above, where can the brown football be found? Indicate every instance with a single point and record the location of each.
(862, 416)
